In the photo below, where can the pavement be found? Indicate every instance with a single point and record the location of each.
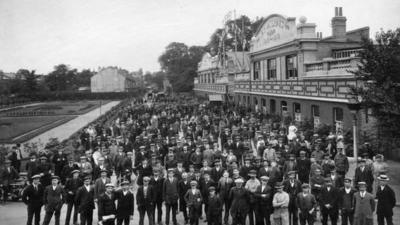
(14, 213)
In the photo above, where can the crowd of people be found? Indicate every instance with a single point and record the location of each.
(217, 163)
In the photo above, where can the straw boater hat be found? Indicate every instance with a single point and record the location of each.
(239, 180)
(383, 177)
(264, 178)
(109, 185)
(37, 176)
(362, 183)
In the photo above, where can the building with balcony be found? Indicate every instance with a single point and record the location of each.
(296, 72)
(215, 77)
(113, 79)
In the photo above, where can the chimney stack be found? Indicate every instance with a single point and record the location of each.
(339, 24)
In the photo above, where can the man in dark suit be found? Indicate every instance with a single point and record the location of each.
(205, 184)
(386, 201)
(193, 200)
(364, 174)
(171, 196)
(329, 202)
(292, 186)
(32, 196)
(53, 199)
(8, 175)
(264, 201)
(157, 182)
(101, 165)
(238, 149)
(71, 187)
(145, 201)
(183, 187)
(217, 170)
(31, 166)
(84, 201)
(100, 184)
(106, 203)
(67, 170)
(125, 201)
(307, 205)
(346, 202)
(214, 210)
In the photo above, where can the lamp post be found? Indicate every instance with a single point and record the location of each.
(354, 107)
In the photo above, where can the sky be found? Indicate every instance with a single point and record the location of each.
(132, 34)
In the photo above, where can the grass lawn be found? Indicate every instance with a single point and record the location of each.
(27, 127)
(59, 107)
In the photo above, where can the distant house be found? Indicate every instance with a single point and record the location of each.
(112, 79)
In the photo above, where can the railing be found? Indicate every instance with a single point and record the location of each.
(331, 67)
(314, 67)
(326, 88)
(346, 53)
(214, 88)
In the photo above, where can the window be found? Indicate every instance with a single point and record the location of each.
(338, 119)
(291, 66)
(297, 111)
(271, 69)
(315, 115)
(283, 107)
(263, 102)
(337, 114)
(314, 111)
(272, 106)
(256, 71)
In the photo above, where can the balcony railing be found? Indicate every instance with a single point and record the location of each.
(213, 88)
(331, 67)
(327, 88)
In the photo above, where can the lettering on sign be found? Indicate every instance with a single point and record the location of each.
(276, 30)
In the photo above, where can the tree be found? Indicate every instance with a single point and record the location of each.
(62, 78)
(180, 64)
(155, 78)
(379, 69)
(235, 35)
(83, 78)
(30, 83)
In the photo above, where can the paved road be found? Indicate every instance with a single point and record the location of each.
(14, 213)
(67, 129)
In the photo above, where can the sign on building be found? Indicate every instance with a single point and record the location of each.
(275, 30)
